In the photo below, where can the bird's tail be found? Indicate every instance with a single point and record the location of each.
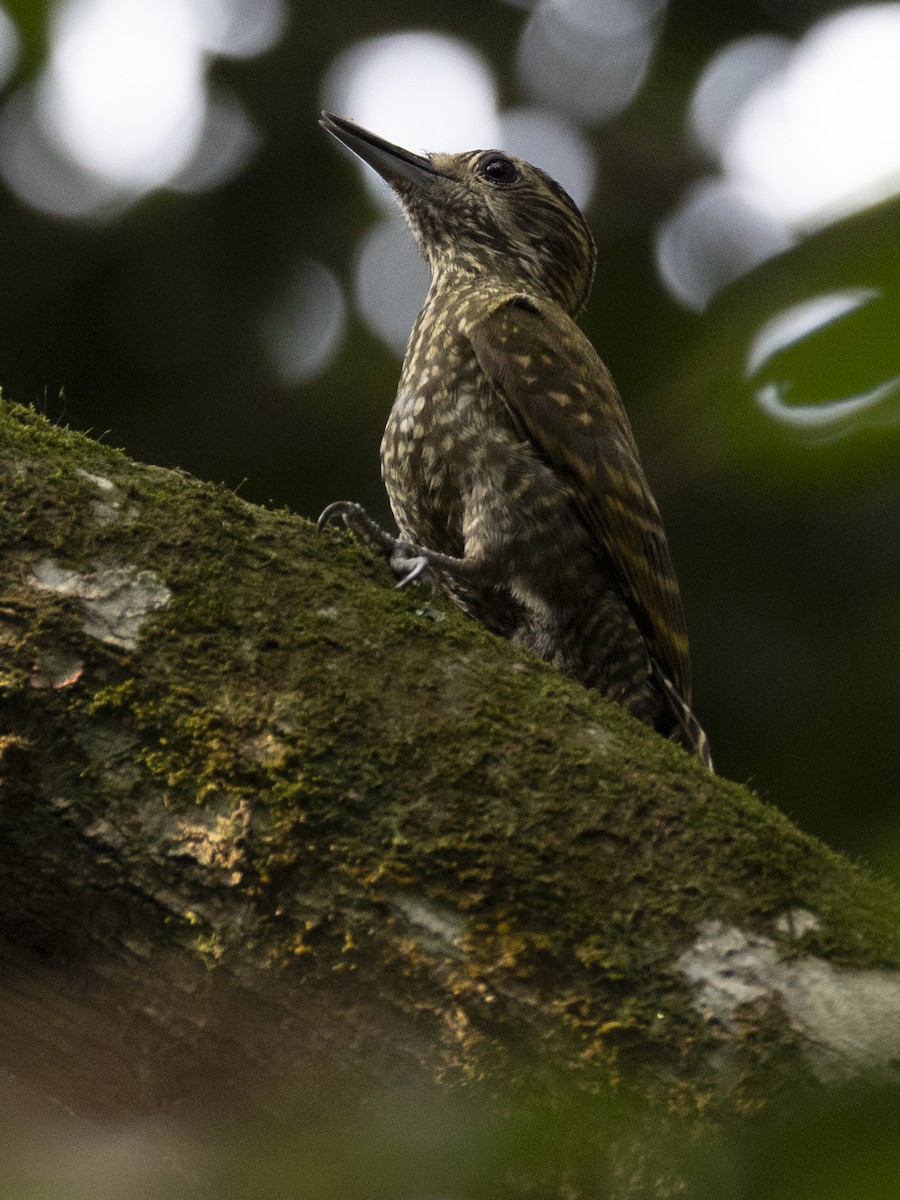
(688, 729)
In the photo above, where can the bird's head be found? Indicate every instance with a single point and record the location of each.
(484, 213)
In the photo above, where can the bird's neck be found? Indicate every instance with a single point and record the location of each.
(457, 280)
(457, 291)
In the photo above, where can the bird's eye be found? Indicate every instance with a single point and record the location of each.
(498, 169)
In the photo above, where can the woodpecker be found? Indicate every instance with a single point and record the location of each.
(509, 461)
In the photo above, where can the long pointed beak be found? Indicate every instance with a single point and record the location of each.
(390, 161)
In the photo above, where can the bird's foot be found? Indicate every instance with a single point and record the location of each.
(358, 520)
(408, 568)
(407, 561)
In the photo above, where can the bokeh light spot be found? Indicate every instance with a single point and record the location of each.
(804, 134)
(227, 143)
(614, 18)
(834, 418)
(822, 138)
(553, 143)
(239, 28)
(43, 176)
(391, 281)
(800, 320)
(303, 330)
(122, 104)
(124, 92)
(426, 91)
(716, 235)
(831, 417)
(588, 57)
(727, 82)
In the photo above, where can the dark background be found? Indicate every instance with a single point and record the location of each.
(142, 327)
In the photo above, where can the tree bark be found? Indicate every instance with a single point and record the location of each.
(265, 819)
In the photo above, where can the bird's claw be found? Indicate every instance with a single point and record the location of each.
(414, 567)
(407, 561)
(340, 508)
(358, 520)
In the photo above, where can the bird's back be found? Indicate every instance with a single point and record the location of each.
(508, 445)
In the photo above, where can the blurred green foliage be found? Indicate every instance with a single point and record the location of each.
(424, 1148)
(787, 530)
(144, 329)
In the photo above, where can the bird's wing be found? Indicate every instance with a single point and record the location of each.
(562, 398)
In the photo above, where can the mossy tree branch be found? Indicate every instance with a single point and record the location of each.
(264, 817)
